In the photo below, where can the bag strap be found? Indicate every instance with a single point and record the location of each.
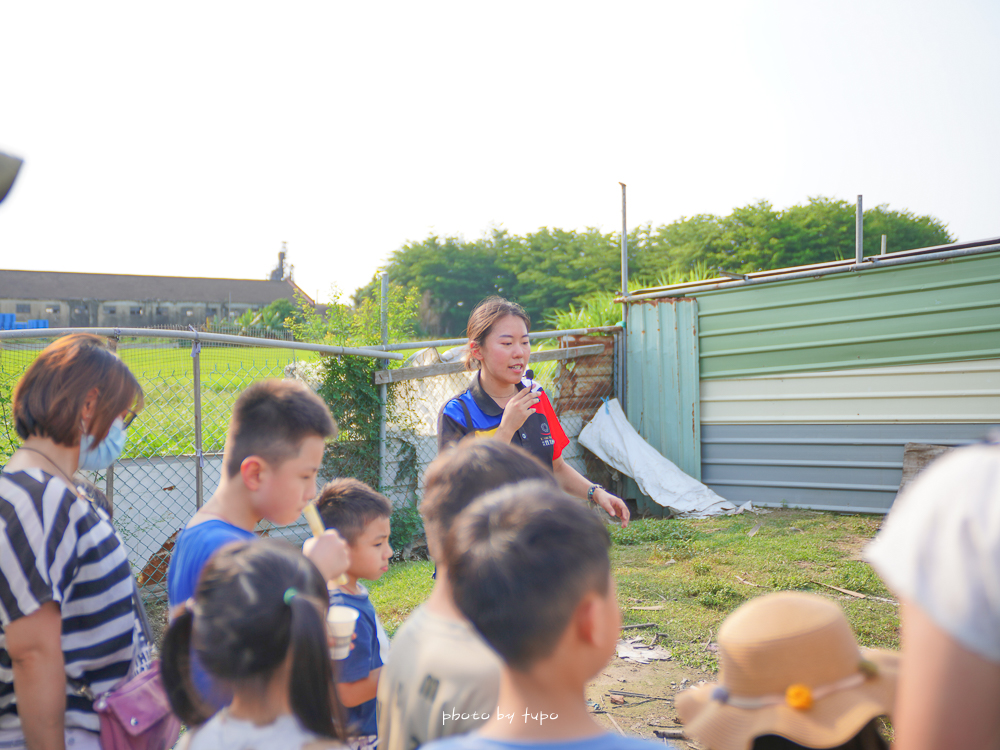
(468, 416)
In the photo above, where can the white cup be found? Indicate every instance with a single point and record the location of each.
(340, 622)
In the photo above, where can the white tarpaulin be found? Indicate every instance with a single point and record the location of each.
(612, 439)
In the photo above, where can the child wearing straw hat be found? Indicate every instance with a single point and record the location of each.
(791, 675)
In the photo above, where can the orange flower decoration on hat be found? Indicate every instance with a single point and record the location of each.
(799, 696)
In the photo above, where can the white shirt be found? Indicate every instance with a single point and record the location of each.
(223, 732)
(940, 547)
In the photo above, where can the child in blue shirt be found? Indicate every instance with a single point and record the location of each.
(274, 450)
(529, 568)
(361, 515)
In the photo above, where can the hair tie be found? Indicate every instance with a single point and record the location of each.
(289, 595)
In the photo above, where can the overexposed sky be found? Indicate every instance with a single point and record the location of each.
(192, 138)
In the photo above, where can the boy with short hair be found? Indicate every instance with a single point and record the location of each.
(529, 567)
(274, 449)
(361, 515)
(440, 663)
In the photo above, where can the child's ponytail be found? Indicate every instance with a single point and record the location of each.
(259, 604)
(175, 668)
(313, 697)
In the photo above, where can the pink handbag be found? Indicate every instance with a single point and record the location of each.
(137, 715)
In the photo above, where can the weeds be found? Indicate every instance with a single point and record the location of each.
(714, 566)
(686, 576)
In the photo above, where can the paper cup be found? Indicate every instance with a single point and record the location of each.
(340, 622)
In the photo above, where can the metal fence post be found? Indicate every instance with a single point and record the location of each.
(859, 233)
(383, 390)
(624, 246)
(109, 484)
(199, 460)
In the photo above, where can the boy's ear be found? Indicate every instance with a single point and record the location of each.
(434, 541)
(251, 470)
(587, 619)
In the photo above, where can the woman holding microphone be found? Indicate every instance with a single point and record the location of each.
(502, 403)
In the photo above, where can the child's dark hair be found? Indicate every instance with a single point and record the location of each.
(255, 601)
(522, 558)
(482, 319)
(348, 505)
(271, 418)
(869, 738)
(470, 469)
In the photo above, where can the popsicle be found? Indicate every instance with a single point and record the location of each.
(317, 528)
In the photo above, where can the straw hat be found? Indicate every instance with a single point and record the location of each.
(789, 665)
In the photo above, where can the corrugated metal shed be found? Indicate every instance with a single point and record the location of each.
(965, 391)
(842, 467)
(810, 387)
(925, 312)
(662, 382)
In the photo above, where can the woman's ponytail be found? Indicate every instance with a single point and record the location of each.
(175, 668)
(313, 697)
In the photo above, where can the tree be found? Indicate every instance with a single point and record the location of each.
(550, 269)
(555, 267)
(452, 276)
(276, 316)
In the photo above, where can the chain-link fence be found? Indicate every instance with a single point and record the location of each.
(578, 372)
(173, 457)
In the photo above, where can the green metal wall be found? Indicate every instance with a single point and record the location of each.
(662, 393)
(936, 311)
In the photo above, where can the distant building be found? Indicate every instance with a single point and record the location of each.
(83, 300)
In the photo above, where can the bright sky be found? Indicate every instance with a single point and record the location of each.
(192, 138)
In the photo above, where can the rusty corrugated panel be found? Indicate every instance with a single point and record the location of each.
(662, 378)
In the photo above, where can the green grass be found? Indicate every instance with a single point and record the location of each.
(166, 425)
(399, 591)
(791, 550)
(690, 571)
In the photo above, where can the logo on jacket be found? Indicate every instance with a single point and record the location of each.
(544, 427)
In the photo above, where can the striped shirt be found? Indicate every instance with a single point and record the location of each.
(57, 547)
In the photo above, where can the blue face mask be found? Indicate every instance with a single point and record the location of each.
(101, 456)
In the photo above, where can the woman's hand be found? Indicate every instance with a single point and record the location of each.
(516, 413)
(613, 505)
(34, 643)
(573, 482)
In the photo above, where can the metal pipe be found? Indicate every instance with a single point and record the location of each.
(109, 485)
(859, 233)
(876, 262)
(199, 459)
(540, 335)
(883, 245)
(624, 246)
(221, 338)
(383, 389)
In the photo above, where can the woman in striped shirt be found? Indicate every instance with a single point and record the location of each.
(66, 606)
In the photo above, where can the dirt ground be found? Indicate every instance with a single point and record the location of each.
(637, 716)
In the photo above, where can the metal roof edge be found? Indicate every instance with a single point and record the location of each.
(937, 252)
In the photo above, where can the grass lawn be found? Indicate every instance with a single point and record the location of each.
(166, 425)
(687, 575)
